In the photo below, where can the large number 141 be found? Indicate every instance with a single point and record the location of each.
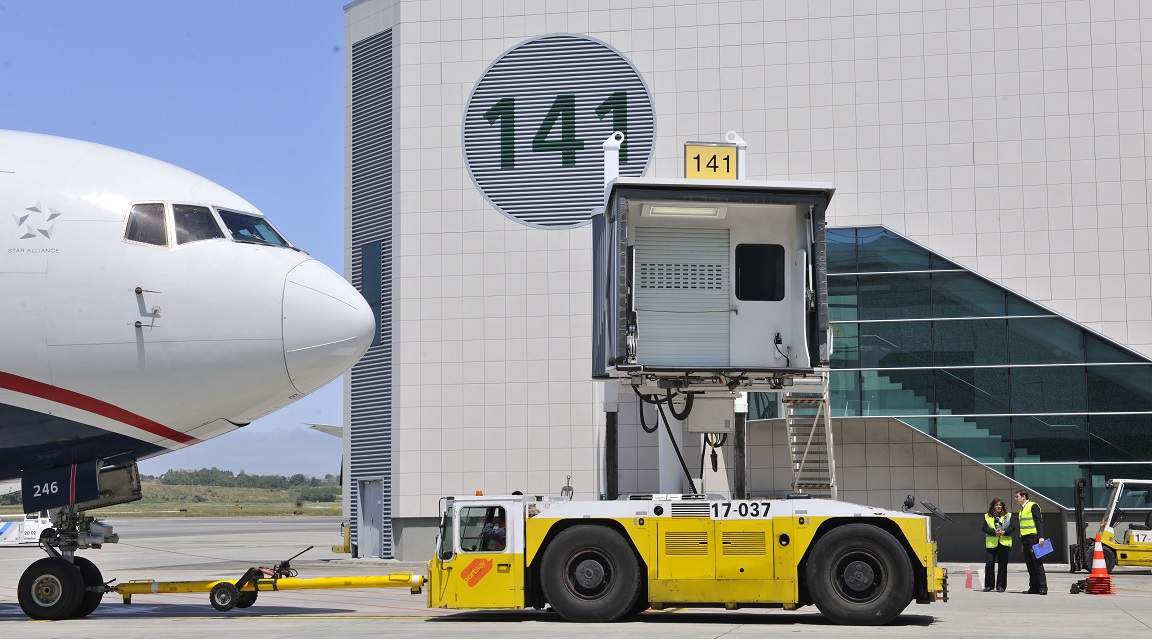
(563, 109)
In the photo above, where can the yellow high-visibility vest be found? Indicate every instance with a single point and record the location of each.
(1027, 524)
(992, 541)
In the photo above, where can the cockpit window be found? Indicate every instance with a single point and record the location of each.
(194, 223)
(249, 228)
(146, 224)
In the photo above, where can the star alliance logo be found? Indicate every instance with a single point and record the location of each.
(37, 222)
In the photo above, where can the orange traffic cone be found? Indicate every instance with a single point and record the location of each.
(1099, 582)
(968, 580)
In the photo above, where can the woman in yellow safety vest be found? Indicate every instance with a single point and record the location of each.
(998, 528)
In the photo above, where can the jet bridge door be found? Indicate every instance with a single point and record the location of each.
(681, 279)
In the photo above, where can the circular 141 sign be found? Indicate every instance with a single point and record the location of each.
(536, 120)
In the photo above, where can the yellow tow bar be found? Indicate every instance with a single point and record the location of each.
(224, 594)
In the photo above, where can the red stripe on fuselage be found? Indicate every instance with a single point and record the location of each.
(92, 405)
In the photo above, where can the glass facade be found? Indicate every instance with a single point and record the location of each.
(1027, 392)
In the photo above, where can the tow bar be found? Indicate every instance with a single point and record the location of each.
(225, 595)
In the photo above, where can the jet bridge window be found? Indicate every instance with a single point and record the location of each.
(246, 227)
(760, 272)
(194, 223)
(146, 224)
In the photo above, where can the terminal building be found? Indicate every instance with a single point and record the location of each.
(988, 243)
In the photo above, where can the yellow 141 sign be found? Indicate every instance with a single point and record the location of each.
(709, 161)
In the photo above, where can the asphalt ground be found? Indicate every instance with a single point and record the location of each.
(223, 548)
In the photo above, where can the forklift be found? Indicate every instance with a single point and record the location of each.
(1125, 529)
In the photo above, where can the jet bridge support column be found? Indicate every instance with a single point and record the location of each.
(611, 456)
(740, 453)
(611, 440)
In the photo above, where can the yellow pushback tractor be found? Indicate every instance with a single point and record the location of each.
(703, 291)
(599, 561)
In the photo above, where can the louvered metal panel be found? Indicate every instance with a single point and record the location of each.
(686, 543)
(690, 509)
(743, 543)
(536, 120)
(371, 202)
(682, 299)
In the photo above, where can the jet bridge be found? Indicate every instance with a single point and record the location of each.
(707, 289)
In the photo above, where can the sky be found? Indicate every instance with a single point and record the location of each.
(249, 94)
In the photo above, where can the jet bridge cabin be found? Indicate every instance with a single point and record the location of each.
(707, 278)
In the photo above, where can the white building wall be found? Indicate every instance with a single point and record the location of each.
(1011, 137)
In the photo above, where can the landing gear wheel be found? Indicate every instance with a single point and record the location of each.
(92, 578)
(50, 589)
(1109, 559)
(246, 599)
(590, 574)
(859, 574)
(224, 596)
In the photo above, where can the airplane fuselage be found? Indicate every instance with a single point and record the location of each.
(144, 308)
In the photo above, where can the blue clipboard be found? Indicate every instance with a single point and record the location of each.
(1041, 550)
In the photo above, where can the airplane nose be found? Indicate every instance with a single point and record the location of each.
(327, 325)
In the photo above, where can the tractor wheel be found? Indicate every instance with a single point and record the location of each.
(1109, 558)
(859, 574)
(590, 574)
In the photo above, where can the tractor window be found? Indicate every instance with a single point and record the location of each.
(1134, 499)
(482, 529)
(447, 532)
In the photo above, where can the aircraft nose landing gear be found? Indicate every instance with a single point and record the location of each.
(65, 585)
(59, 588)
(51, 589)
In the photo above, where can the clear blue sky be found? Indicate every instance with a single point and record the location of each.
(249, 94)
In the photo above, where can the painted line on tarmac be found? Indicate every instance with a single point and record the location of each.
(348, 617)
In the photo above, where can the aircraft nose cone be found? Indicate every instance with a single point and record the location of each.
(327, 325)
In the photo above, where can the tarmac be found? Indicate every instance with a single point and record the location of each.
(182, 548)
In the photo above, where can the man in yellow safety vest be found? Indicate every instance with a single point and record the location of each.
(1031, 532)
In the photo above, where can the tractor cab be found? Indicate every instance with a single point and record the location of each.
(1125, 528)
(1128, 518)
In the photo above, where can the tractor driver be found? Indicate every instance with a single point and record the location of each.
(494, 535)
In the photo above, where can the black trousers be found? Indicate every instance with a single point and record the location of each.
(1037, 581)
(996, 567)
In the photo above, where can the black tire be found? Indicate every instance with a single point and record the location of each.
(641, 605)
(50, 589)
(224, 596)
(859, 574)
(92, 577)
(590, 574)
(246, 599)
(1109, 558)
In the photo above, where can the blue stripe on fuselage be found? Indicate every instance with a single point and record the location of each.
(32, 441)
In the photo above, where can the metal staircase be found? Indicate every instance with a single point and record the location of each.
(806, 410)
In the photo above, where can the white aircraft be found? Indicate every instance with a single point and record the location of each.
(143, 309)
